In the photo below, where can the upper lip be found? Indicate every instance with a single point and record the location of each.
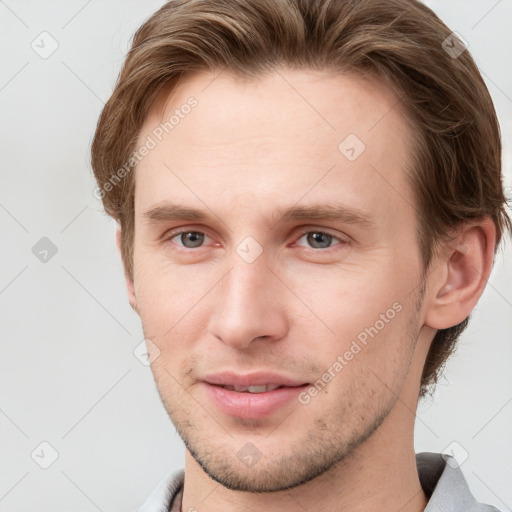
(251, 379)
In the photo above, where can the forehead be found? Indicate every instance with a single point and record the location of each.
(290, 136)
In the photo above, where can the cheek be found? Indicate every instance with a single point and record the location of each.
(166, 293)
(362, 375)
(369, 315)
(351, 302)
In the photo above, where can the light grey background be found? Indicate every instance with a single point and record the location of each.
(68, 373)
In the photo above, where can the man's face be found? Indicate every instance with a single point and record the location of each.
(328, 307)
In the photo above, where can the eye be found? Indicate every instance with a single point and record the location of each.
(320, 239)
(316, 239)
(188, 239)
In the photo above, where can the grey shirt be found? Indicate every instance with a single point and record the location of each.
(440, 477)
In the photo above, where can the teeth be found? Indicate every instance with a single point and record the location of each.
(253, 389)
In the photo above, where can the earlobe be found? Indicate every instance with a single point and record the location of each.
(462, 271)
(130, 287)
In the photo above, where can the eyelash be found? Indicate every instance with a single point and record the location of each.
(174, 234)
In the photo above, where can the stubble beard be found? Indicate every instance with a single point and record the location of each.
(329, 443)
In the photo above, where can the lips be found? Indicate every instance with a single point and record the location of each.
(251, 396)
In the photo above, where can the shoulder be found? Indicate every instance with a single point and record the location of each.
(164, 493)
(445, 485)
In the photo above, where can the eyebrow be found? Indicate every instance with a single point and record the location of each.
(167, 211)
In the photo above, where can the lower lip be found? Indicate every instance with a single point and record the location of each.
(251, 406)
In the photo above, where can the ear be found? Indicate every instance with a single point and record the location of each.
(462, 269)
(129, 280)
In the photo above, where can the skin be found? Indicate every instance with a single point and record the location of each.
(246, 149)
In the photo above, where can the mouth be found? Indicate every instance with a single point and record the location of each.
(252, 396)
(252, 389)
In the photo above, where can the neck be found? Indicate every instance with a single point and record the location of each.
(380, 475)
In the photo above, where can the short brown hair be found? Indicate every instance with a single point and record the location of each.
(456, 174)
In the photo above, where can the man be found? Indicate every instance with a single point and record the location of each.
(309, 200)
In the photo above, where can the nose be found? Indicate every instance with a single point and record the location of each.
(247, 305)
